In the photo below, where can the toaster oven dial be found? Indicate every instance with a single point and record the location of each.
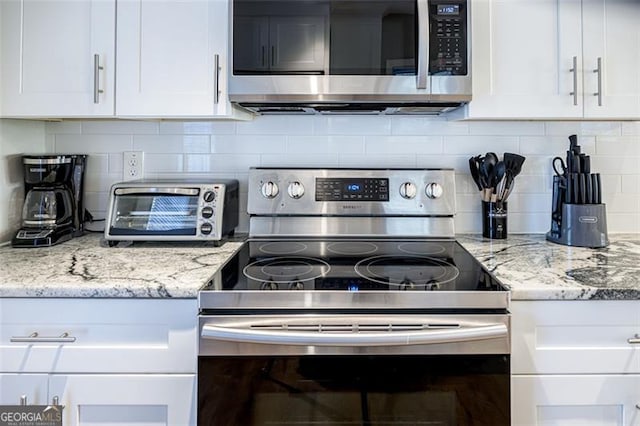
(433, 190)
(206, 228)
(296, 190)
(408, 190)
(209, 196)
(270, 189)
(207, 212)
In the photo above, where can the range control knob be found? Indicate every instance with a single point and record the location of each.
(295, 190)
(270, 189)
(209, 196)
(268, 285)
(433, 190)
(408, 190)
(296, 285)
(206, 228)
(207, 212)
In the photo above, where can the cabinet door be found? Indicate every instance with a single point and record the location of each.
(167, 56)
(151, 400)
(522, 57)
(598, 400)
(48, 58)
(612, 36)
(15, 386)
(98, 335)
(297, 43)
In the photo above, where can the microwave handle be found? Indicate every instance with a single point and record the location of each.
(311, 338)
(423, 44)
(156, 190)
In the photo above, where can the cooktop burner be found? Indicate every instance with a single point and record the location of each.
(353, 266)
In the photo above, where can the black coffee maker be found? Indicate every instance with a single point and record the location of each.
(53, 210)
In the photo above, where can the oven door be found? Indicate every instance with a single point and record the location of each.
(354, 370)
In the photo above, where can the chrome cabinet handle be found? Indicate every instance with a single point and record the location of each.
(264, 49)
(598, 70)
(350, 339)
(36, 338)
(273, 56)
(635, 340)
(96, 79)
(216, 79)
(423, 44)
(574, 70)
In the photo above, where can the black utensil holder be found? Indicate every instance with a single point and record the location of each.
(494, 220)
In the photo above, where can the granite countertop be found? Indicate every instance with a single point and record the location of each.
(536, 269)
(88, 267)
(532, 268)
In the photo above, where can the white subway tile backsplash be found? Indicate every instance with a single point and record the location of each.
(474, 145)
(403, 144)
(492, 128)
(172, 143)
(197, 128)
(415, 125)
(254, 144)
(163, 163)
(228, 149)
(352, 125)
(121, 127)
(277, 124)
(66, 143)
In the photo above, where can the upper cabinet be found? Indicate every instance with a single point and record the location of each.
(58, 58)
(171, 58)
(550, 59)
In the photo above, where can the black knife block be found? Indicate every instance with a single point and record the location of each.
(580, 225)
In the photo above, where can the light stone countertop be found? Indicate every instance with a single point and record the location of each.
(88, 267)
(536, 269)
(532, 268)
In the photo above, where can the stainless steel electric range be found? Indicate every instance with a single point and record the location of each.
(353, 304)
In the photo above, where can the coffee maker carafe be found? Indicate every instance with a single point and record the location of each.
(53, 209)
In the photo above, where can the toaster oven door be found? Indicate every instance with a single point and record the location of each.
(154, 212)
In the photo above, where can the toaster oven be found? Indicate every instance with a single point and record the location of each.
(172, 210)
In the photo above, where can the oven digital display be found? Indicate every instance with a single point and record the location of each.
(448, 9)
(352, 189)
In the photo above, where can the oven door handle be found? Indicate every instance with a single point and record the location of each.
(429, 336)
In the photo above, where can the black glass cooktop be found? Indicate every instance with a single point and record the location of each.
(353, 266)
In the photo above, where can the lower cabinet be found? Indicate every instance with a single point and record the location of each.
(107, 361)
(575, 363)
(580, 400)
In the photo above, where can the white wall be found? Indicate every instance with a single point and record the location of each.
(16, 137)
(228, 149)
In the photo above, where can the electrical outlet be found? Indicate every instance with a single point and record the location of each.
(132, 165)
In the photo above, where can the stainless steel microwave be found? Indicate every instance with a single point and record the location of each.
(172, 210)
(327, 56)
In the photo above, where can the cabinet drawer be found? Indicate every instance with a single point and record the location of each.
(557, 337)
(98, 335)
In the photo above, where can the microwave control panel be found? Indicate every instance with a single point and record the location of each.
(448, 47)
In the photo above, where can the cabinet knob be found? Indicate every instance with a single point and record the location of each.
(635, 340)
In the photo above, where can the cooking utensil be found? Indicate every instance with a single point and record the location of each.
(475, 173)
(513, 164)
(498, 174)
(486, 173)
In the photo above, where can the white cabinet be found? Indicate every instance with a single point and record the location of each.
(153, 400)
(109, 361)
(575, 363)
(536, 59)
(58, 58)
(279, 43)
(145, 58)
(172, 58)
